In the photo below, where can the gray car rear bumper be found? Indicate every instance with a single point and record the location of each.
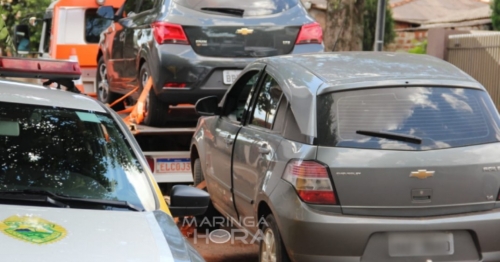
(313, 235)
(203, 75)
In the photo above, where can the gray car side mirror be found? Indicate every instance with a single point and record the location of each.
(188, 201)
(208, 106)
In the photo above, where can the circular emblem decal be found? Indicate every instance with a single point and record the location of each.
(31, 229)
(219, 236)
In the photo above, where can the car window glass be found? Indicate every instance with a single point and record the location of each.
(46, 43)
(249, 7)
(130, 7)
(94, 25)
(146, 5)
(440, 117)
(267, 103)
(76, 153)
(240, 96)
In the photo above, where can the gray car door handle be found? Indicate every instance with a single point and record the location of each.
(228, 140)
(264, 149)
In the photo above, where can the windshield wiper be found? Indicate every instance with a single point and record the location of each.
(27, 196)
(225, 10)
(56, 199)
(392, 136)
(104, 202)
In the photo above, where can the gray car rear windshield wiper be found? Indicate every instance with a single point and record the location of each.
(225, 10)
(59, 198)
(392, 136)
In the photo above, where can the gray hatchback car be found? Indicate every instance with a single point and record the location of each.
(356, 156)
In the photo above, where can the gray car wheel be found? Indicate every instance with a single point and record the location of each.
(154, 110)
(271, 247)
(211, 212)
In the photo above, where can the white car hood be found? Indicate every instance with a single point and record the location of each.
(90, 235)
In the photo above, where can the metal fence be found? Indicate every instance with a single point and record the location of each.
(479, 56)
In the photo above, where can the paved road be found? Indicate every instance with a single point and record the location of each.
(239, 248)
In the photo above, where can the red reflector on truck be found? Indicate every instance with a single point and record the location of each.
(151, 162)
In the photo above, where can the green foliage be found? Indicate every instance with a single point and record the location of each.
(370, 21)
(420, 48)
(495, 14)
(14, 12)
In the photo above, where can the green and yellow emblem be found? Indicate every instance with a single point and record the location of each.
(32, 229)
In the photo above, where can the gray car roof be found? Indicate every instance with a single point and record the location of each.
(306, 76)
(337, 69)
(23, 93)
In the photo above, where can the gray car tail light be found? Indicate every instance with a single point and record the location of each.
(310, 34)
(167, 33)
(312, 182)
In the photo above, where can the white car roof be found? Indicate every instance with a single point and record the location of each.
(24, 93)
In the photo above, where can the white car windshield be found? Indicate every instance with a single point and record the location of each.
(78, 154)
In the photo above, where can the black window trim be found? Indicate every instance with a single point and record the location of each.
(138, 8)
(85, 25)
(244, 119)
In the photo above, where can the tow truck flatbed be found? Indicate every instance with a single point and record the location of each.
(148, 130)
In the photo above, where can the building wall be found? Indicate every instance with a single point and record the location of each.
(406, 40)
(409, 37)
(479, 56)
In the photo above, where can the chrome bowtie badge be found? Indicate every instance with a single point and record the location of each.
(422, 174)
(244, 31)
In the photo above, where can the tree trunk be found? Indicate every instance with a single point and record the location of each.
(346, 17)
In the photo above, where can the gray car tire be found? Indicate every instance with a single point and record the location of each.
(211, 212)
(277, 248)
(155, 111)
(197, 172)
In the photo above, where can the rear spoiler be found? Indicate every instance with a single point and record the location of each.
(55, 71)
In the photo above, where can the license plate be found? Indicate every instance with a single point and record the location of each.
(420, 244)
(229, 76)
(173, 165)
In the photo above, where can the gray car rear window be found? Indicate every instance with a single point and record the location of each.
(250, 7)
(441, 117)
